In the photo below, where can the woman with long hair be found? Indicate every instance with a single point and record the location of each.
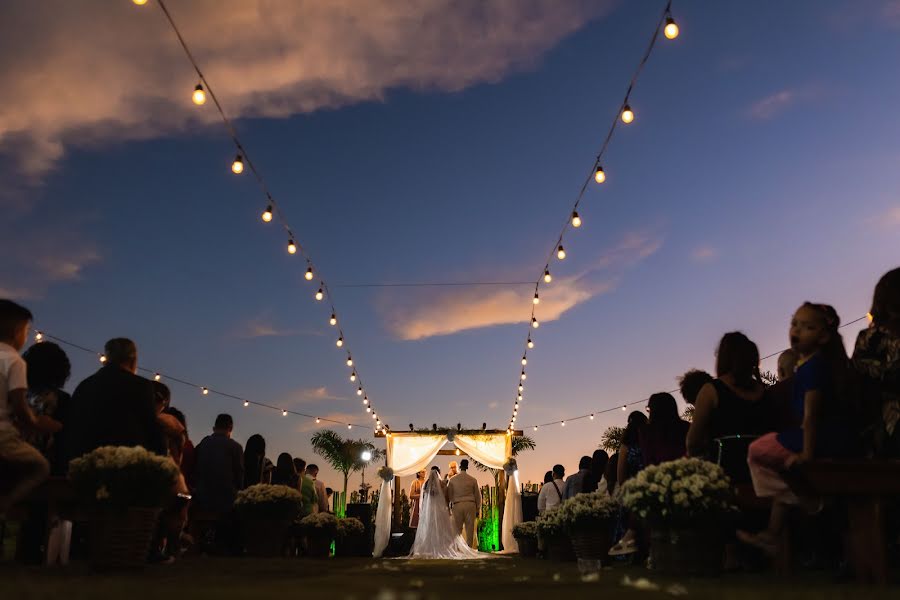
(630, 461)
(663, 438)
(285, 473)
(254, 460)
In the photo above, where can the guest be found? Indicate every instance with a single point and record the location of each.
(30, 468)
(575, 483)
(876, 358)
(787, 364)
(731, 405)
(48, 371)
(115, 407)
(691, 383)
(188, 452)
(553, 491)
(220, 468)
(630, 461)
(285, 472)
(596, 481)
(306, 487)
(415, 498)
(663, 438)
(328, 494)
(611, 472)
(254, 460)
(173, 430)
(321, 497)
(819, 391)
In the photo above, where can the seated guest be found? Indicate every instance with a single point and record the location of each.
(307, 488)
(321, 496)
(691, 383)
(552, 492)
(575, 482)
(630, 462)
(48, 371)
(254, 460)
(115, 407)
(220, 468)
(731, 405)
(610, 473)
(597, 482)
(664, 436)
(876, 359)
(285, 472)
(820, 388)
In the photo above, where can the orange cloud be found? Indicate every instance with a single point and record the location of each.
(89, 72)
(425, 315)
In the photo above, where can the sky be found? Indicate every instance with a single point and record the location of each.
(442, 141)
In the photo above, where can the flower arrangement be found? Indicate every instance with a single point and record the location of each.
(525, 530)
(679, 491)
(350, 527)
(510, 467)
(123, 477)
(386, 473)
(319, 524)
(550, 524)
(272, 502)
(587, 511)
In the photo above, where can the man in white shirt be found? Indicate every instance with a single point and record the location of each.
(30, 467)
(552, 493)
(321, 496)
(465, 499)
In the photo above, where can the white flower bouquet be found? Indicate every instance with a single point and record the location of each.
(271, 502)
(123, 477)
(588, 511)
(550, 524)
(319, 524)
(525, 530)
(349, 527)
(680, 491)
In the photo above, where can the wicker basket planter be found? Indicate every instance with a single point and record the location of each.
(352, 546)
(592, 544)
(318, 545)
(266, 537)
(120, 539)
(557, 548)
(691, 552)
(528, 547)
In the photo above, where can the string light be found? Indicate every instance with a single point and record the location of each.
(523, 376)
(237, 167)
(366, 400)
(283, 413)
(530, 342)
(267, 214)
(869, 317)
(246, 403)
(318, 420)
(576, 219)
(599, 175)
(353, 376)
(339, 342)
(140, 2)
(537, 299)
(359, 391)
(547, 277)
(103, 358)
(519, 397)
(563, 423)
(38, 336)
(535, 427)
(521, 388)
(624, 407)
(592, 416)
(333, 320)
(320, 294)
(524, 360)
(349, 426)
(368, 409)
(671, 29)
(349, 362)
(534, 322)
(157, 377)
(292, 247)
(560, 253)
(627, 115)
(205, 391)
(199, 95)
(309, 274)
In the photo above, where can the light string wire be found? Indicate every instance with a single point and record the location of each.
(625, 406)
(274, 210)
(41, 336)
(596, 170)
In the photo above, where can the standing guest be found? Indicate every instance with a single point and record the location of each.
(48, 371)
(452, 471)
(328, 494)
(630, 462)
(254, 460)
(787, 364)
(553, 491)
(876, 358)
(285, 472)
(306, 487)
(115, 407)
(611, 472)
(415, 498)
(575, 483)
(731, 405)
(173, 430)
(818, 403)
(691, 383)
(597, 481)
(321, 497)
(29, 468)
(220, 468)
(188, 452)
(664, 436)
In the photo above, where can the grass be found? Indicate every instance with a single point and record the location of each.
(358, 579)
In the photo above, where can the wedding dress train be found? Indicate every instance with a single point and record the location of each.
(436, 537)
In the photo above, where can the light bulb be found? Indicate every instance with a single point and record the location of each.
(353, 376)
(292, 247)
(599, 176)
(38, 336)
(320, 294)
(671, 29)
(267, 214)
(368, 409)
(592, 416)
(519, 397)
(333, 319)
(359, 391)
(140, 2)
(365, 400)
(560, 253)
(524, 360)
(309, 274)
(521, 388)
(537, 299)
(563, 423)
(868, 316)
(102, 358)
(283, 413)
(349, 426)
(535, 427)
(457, 452)
(523, 376)
(547, 277)
(318, 420)
(516, 407)
(199, 96)
(627, 115)
(205, 391)
(349, 362)
(339, 342)
(576, 220)
(624, 407)
(246, 403)
(534, 323)
(157, 377)
(237, 167)
(530, 342)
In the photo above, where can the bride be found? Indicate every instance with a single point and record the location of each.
(435, 537)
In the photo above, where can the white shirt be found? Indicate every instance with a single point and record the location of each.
(12, 377)
(551, 495)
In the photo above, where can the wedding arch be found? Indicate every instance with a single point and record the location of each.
(410, 452)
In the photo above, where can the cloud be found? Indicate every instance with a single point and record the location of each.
(889, 219)
(79, 74)
(424, 315)
(360, 429)
(493, 405)
(704, 254)
(772, 105)
(310, 395)
(263, 326)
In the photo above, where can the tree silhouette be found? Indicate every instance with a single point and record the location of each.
(344, 455)
(612, 439)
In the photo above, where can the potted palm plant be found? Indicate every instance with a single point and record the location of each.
(345, 456)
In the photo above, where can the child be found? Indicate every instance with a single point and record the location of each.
(816, 403)
(28, 466)
(876, 359)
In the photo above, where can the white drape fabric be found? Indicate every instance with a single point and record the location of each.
(405, 455)
(436, 536)
(490, 450)
(512, 513)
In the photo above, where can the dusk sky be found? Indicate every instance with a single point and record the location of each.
(443, 141)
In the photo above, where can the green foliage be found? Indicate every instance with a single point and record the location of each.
(611, 440)
(405, 509)
(350, 527)
(525, 530)
(344, 455)
(688, 414)
(122, 477)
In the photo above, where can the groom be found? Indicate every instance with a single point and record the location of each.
(465, 499)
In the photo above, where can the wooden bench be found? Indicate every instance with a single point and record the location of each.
(865, 486)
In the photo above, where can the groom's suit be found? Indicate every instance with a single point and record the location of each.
(465, 499)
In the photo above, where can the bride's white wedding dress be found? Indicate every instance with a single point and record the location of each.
(435, 537)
